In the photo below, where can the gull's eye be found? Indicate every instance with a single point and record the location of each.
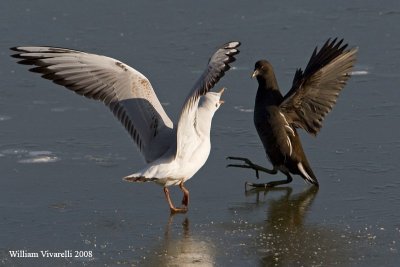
(216, 105)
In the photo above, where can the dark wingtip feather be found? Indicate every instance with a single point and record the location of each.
(38, 70)
(26, 61)
(328, 52)
(339, 43)
(15, 48)
(232, 51)
(16, 56)
(327, 42)
(218, 64)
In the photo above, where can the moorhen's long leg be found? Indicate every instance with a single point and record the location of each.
(250, 165)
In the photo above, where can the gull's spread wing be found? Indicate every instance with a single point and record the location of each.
(127, 92)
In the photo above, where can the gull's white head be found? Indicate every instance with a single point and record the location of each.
(212, 100)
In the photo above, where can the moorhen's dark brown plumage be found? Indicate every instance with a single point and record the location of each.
(312, 96)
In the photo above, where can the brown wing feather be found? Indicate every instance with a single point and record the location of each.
(314, 92)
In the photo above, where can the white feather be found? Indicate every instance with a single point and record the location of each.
(301, 168)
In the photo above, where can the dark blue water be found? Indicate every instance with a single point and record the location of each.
(62, 157)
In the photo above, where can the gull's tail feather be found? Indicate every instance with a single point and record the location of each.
(138, 179)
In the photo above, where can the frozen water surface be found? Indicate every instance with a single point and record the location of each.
(62, 157)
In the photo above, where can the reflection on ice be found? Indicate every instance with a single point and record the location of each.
(284, 238)
(182, 249)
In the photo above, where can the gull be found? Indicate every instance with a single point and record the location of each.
(172, 155)
(276, 117)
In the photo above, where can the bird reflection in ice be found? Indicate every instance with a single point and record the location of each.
(180, 248)
(289, 211)
(286, 238)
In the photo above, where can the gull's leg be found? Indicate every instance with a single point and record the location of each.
(185, 200)
(171, 205)
(273, 183)
(250, 165)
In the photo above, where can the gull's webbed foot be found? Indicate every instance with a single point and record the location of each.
(182, 209)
